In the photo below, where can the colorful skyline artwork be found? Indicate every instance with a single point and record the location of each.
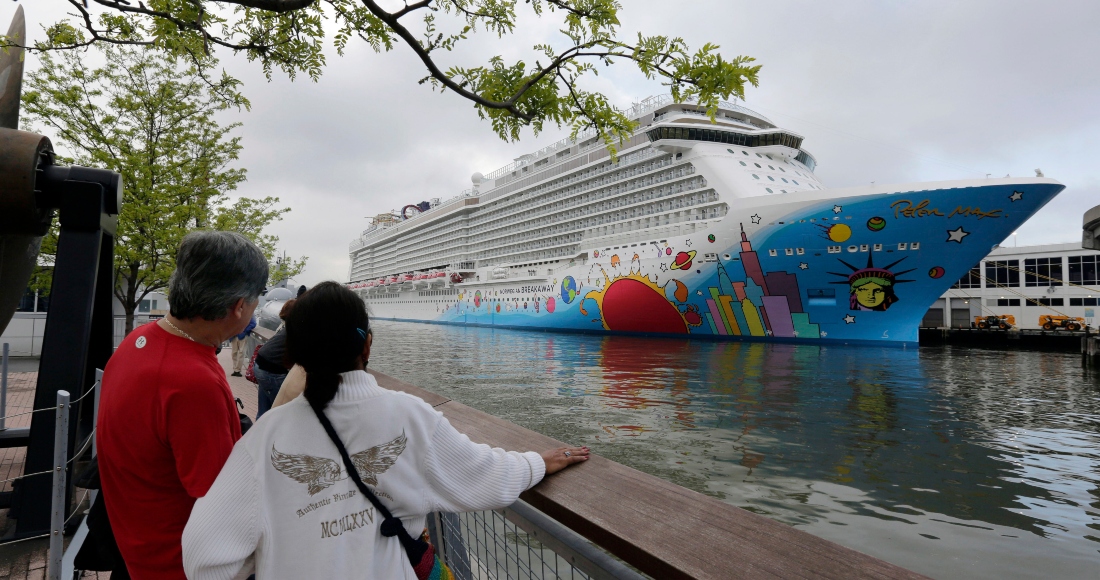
(759, 305)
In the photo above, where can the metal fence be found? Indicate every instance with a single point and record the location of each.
(519, 542)
(26, 329)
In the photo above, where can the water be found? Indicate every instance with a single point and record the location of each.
(948, 461)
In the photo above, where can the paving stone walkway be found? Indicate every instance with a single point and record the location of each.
(27, 560)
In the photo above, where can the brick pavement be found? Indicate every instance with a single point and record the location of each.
(27, 560)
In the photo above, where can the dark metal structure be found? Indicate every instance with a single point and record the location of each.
(78, 337)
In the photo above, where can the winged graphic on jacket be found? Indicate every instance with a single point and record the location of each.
(318, 473)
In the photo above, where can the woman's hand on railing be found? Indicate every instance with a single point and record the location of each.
(562, 457)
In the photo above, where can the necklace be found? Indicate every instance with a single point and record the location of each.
(177, 329)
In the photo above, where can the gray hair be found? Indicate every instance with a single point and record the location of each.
(213, 271)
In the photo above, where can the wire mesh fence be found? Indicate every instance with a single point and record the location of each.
(486, 546)
(520, 543)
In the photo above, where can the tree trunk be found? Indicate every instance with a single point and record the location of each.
(129, 309)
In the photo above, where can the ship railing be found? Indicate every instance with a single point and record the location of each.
(602, 519)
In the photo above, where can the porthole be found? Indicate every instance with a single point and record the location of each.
(784, 180)
(726, 256)
(769, 190)
(772, 168)
(755, 176)
(770, 178)
(744, 164)
(758, 165)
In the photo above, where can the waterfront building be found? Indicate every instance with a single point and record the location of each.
(700, 226)
(1026, 283)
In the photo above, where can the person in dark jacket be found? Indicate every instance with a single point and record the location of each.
(271, 365)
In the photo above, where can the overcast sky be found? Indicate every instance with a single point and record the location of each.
(882, 91)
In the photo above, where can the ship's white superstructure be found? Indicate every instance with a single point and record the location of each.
(570, 197)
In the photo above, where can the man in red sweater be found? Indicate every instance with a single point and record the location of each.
(167, 417)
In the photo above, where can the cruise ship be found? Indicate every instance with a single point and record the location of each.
(698, 227)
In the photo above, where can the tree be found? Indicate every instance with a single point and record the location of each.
(289, 35)
(153, 122)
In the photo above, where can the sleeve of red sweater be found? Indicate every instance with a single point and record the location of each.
(198, 433)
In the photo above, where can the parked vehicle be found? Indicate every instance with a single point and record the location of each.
(1001, 321)
(1056, 322)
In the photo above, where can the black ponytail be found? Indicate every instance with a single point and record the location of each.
(325, 333)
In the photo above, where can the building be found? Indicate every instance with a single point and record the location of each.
(1024, 282)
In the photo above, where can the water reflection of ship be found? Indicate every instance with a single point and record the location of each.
(762, 305)
(636, 375)
(867, 430)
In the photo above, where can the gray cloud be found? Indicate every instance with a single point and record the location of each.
(884, 92)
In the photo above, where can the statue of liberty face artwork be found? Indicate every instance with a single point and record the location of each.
(871, 288)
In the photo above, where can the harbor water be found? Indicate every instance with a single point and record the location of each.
(953, 462)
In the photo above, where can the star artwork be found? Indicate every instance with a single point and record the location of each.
(768, 332)
(755, 218)
(957, 235)
(795, 334)
(803, 266)
(1016, 196)
(664, 267)
(824, 334)
(687, 243)
(699, 292)
(837, 209)
(849, 319)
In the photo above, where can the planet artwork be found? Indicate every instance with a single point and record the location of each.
(477, 299)
(550, 304)
(595, 253)
(876, 224)
(615, 261)
(668, 251)
(683, 260)
(839, 232)
(568, 290)
(936, 272)
(711, 238)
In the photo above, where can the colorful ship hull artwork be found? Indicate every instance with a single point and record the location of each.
(810, 265)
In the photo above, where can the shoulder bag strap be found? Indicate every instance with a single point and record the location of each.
(391, 526)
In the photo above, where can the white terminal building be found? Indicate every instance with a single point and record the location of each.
(1025, 282)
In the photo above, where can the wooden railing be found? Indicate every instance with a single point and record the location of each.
(662, 529)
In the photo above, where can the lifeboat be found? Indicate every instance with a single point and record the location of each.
(456, 278)
(421, 280)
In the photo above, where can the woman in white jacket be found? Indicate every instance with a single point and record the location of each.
(284, 498)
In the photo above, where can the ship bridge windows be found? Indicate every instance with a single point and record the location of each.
(729, 137)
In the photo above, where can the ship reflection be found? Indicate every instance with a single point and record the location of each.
(861, 417)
